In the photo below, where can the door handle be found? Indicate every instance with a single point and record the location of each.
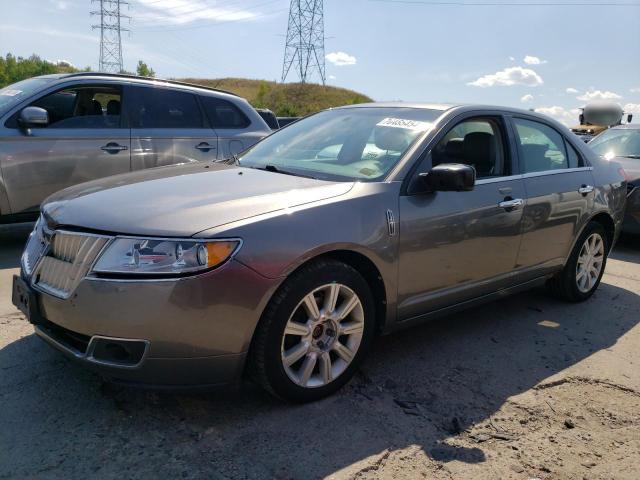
(511, 203)
(204, 147)
(113, 147)
(585, 189)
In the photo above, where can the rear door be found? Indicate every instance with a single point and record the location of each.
(168, 127)
(560, 194)
(455, 246)
(231, 125)
(86, 138)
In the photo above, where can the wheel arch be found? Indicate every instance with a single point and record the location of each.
(359, 262)
(604, 219)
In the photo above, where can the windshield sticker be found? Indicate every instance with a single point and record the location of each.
(10, 93)
(404, 123)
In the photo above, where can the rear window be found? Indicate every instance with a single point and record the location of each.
(224, 114)
(164, 108)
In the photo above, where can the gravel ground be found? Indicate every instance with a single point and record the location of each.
(525, 388)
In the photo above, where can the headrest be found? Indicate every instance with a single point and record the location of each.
(113, 107)
(454, 148)
(480, 151)
(390, 138)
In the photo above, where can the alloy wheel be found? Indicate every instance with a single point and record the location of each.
(590, 262)
(322, 336)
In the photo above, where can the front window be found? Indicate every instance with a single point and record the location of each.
(15, 93)
(617, 142)
(348, 144)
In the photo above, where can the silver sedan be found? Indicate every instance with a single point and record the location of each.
(285, 262)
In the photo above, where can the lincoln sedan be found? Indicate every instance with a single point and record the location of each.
(283, 263)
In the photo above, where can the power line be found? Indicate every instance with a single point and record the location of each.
(509, 4)
(176, 27)
(305, 39)
(111, 29)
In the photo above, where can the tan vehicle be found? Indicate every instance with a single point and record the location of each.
(597, 117)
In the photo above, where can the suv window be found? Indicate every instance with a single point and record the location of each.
(83, 107)
(477, 142)
(223, 114)
(164, 108)
(541, 147)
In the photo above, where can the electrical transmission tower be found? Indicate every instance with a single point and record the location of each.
(110, 34)
(305, 39)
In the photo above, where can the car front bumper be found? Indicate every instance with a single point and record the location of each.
(192, 331)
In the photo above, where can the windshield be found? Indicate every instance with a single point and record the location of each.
(342, 145)
(620, 142)
(13, 94)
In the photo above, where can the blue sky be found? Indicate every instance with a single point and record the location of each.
(539, 57)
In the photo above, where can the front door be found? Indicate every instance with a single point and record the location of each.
(455, 246)
(167, 127)
(85, 139)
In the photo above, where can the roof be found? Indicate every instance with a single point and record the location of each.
(138, 78)
(460, 107)
(428, 106)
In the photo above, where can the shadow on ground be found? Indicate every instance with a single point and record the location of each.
(419, 387)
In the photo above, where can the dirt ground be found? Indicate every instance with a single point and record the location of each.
(525, 388)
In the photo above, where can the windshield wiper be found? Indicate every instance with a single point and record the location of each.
(630, 156)
(232, 160)
(272, 168)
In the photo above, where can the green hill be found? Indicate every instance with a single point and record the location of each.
(285, 99)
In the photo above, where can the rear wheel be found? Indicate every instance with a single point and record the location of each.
(583, 272)
(314, 333)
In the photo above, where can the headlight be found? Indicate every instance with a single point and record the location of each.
(148, 256)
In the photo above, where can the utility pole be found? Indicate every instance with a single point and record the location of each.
(304, 48)
(110, 34)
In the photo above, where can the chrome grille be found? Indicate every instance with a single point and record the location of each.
(68, 260)
(36, 245)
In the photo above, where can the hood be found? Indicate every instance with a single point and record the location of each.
(181, 200)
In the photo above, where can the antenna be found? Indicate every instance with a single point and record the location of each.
(305, 39)
(110, 34)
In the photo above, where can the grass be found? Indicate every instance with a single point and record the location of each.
(285, 99)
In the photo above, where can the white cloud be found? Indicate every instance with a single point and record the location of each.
(331, 77)
(598, 95)
(572, 91)
(513, 59)
(60, 4)
(341, 59)
(526, 98)
(567, 116)
(632, 108)
(531, 60)
(509, 76)
(635, 90)
(180, 12)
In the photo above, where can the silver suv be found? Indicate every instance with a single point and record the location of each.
(61, 130)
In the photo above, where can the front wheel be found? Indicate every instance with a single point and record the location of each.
(585, 267)
(314, 333)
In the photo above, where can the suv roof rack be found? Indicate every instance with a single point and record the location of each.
(137, 77)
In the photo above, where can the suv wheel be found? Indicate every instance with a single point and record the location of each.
(314, 333)
(583, 272)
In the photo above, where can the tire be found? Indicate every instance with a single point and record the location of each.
(331, 348)
(569, 284)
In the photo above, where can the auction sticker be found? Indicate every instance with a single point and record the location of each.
(10, 93)
(404, 123)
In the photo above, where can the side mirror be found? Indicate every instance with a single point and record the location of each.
(629, 118)
(449, 177)
(33, 117)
